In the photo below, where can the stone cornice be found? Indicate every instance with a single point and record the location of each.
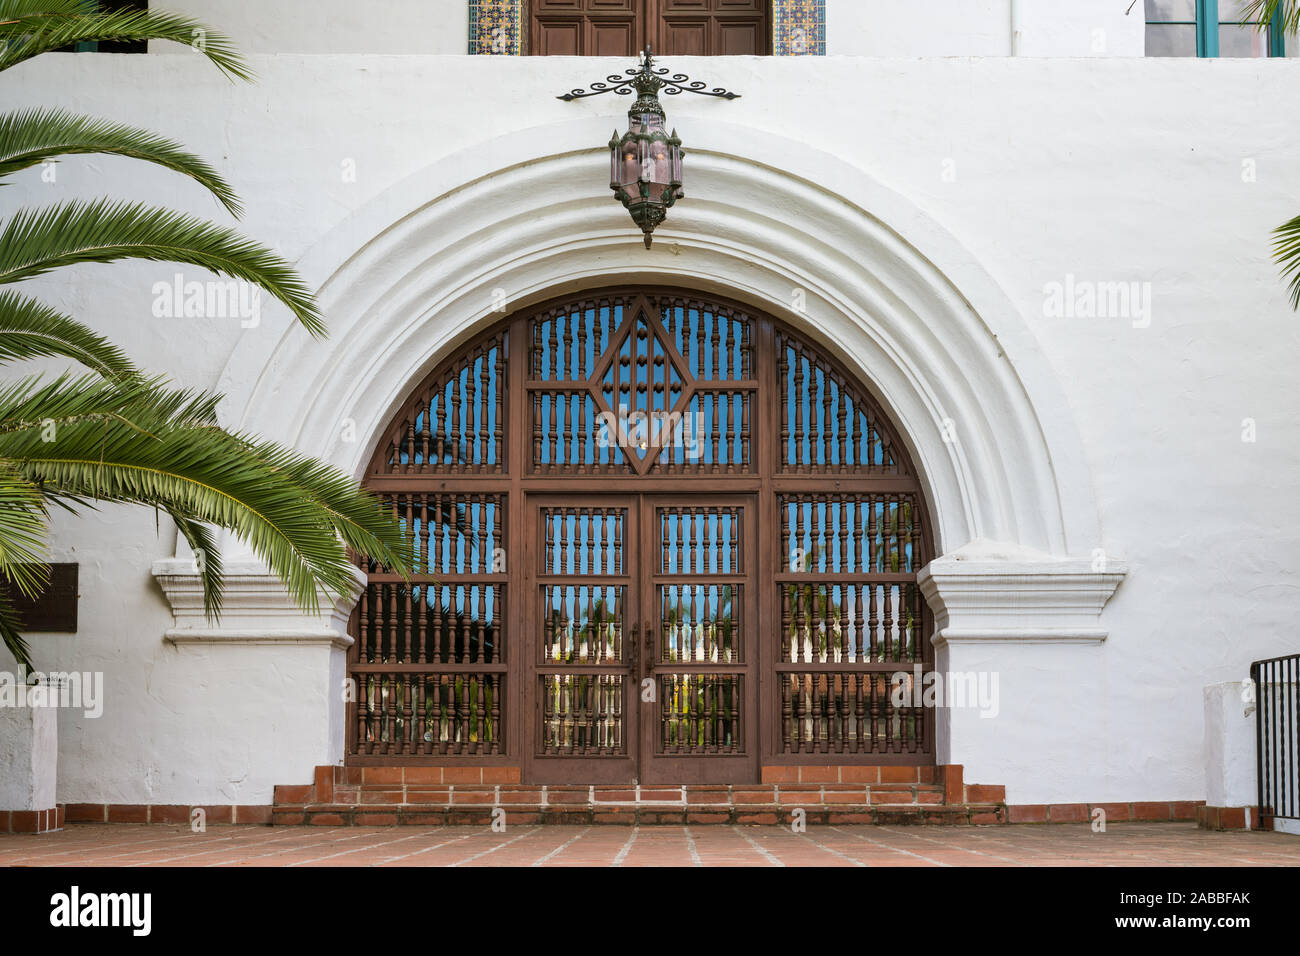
(1015, 596)
(256, 608)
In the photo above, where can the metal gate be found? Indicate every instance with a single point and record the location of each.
(660, 537)
(1277, 724)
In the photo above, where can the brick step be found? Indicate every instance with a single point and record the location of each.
(517, 793)
(345, 794)
(384, 796)
(638, 814)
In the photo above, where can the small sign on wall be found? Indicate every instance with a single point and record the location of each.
(54, 609)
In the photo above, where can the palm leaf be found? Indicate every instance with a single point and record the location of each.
(143, 405)
(35, 242)
(208, 558)
(23, 555)
(23, 527)
(29, 28)
(10, 634)
(1286, 252)
(35, 136)
(1262, 12)
(209, 476)
(30, 329)
(360, 517)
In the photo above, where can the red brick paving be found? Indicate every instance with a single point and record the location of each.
(1133, 844)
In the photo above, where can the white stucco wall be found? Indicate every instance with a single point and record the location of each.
(333, 26)
(853, 27)
(983, 28)
(1035, 170)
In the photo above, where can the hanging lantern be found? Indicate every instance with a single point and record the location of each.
(645, 163)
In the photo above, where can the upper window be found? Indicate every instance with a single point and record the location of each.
(672, 27)
(1208, 28)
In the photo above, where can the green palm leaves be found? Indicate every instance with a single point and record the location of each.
(1286, 251)
(1263, 12)
(34, 242)
(117, 435)
(29, 28)
(32, 137)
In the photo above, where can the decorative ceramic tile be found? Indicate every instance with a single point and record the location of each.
(496, 27)
(799, 27)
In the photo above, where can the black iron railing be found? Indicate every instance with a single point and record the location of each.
(1276, 726)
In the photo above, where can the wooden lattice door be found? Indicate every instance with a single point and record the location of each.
(660, 537)
(639, 670)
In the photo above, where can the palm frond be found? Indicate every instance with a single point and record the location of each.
(47, 406)
(11, 634)
(31, 329)
(35, 242)
(1286, 253)
(29, 28)
(208, 558)
(358, 516)
(24, 524)
(209, 476)
(1262, 12)
(30, 137)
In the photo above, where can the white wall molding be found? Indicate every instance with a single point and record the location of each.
(898, 299)
(256, 608)
(990, 594)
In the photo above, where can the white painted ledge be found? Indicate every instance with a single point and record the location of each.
(257, 608)
(993, 593)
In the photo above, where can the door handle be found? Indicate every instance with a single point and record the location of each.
(633, 648)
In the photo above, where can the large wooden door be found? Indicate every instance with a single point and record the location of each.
(659, 536)
(672, 27)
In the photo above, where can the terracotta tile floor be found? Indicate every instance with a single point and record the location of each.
(1134, 844)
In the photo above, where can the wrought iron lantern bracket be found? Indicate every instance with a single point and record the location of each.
(669, 83)
(646, 162)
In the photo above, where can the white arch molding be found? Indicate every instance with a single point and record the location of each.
(897, 299)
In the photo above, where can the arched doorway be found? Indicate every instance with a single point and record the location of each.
(661, 537)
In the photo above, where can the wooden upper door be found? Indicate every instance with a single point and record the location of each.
(672, 27)
(588, 27)
(712, 27)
